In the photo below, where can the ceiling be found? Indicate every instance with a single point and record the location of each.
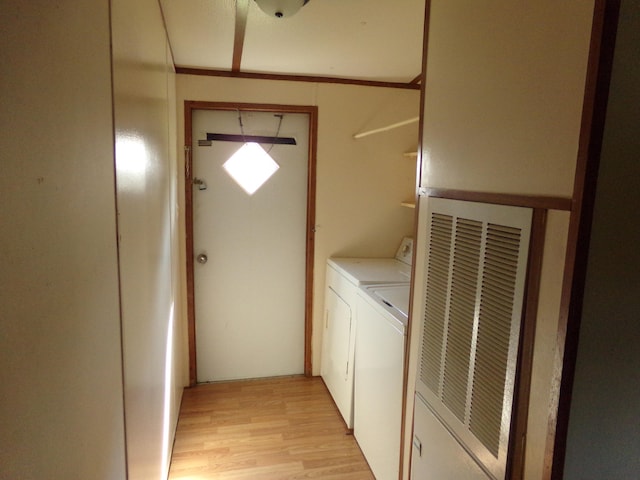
(363, 40)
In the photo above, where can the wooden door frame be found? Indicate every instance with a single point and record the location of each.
(596, 95)
(312, 111)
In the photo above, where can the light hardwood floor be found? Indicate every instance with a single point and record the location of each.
(278, 429)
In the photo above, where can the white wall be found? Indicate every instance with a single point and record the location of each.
(360, 183)
(505, 85)
(60, 362)
(603, 439)
(144, 111)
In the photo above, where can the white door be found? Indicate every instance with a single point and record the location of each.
(250, 293)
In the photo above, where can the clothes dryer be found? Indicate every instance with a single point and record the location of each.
(343, 279)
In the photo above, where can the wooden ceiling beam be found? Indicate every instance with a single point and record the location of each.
(242, 12)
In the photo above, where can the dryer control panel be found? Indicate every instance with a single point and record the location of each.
(405, 251)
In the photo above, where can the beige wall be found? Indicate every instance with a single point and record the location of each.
(60, 356)
(63, 414)
(360, 183)
(505, 84)
(504, 98)
(144, 110)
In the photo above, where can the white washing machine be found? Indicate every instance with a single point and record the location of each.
(378, 376)
(344, 277)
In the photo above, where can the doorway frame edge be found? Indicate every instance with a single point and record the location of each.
(312, 111)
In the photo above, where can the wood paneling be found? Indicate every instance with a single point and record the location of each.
(279, 428)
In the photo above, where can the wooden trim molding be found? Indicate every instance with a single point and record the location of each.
(293, 78)
(246, 107)
(311, 236)
(603, 36)
(529, 201)
(518, 432)
(416, 216)
(312, 111)
(188, 201)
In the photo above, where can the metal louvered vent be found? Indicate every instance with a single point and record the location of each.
(494, 329)
(474, 273)
(464, 277)
(435, 300)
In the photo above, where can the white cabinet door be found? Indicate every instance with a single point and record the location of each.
(436, 454)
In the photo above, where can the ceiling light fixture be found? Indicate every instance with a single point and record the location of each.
(281, 8)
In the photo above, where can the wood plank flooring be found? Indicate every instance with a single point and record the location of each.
(284, 428)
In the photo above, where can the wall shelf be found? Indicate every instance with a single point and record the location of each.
(387, 127)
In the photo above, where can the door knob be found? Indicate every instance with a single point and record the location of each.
(202, 258)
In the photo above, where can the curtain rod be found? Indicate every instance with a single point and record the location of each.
(226, 137)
